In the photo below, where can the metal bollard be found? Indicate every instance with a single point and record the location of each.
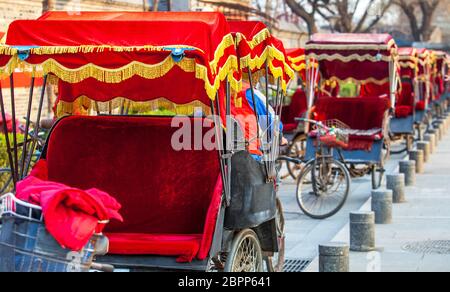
(362, 231)
(382, 206)
(334, 258)
(417, 156)
(396, 183)
(408, 168)
(431, 139)
(425, 147)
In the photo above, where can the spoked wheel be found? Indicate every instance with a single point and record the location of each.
(275, 263)
(296, 150)
(245, 254)
(323, 188)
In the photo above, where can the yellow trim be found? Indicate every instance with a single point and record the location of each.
(256, 40)
(352, 47)
(134, 68)
(347, 59)
(297, 59)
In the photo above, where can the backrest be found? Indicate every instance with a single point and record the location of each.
(161, 190)
(358, 113)
(406, 98)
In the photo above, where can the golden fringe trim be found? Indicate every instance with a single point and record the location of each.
(227, 41)
(256, 40)
(347, 59)
(351, 47)
(7, 50)
(86, 49)
(146, 71)
(297, 59)
(84, 105)
(9, 67)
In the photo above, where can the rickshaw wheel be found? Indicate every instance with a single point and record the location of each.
(316, 189)
(245, 254)
(276, 263)
(378, 170)
(296, 150)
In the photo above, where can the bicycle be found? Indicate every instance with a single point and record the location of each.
(6, 178)
(323, 185)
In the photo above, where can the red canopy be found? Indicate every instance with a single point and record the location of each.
(122, 48)
(297, 61)
(353, 57)
(409, 62)
(256, 46)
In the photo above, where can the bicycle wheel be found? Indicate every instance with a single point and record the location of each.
(296, 150)
(323, 188)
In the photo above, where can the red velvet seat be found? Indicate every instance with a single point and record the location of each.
(366, 115)
(296, 109)
(170, 198)
(405, 102)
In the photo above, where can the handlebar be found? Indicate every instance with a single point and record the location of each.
(314, 122)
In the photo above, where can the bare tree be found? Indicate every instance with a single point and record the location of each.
(420, 14)
(342, 15)
(48, 5)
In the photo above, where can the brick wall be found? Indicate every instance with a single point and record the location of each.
(31, 9)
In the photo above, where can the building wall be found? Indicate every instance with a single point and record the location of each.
(32, 9)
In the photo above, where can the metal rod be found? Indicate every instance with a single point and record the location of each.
(250, 78)
(5, 131)
(220, 136)
(27, 128)
(267, 102)
(14, 130)
(96, 108)
(217, 130)
(38, 123)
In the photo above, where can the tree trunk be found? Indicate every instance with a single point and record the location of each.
(303, 14)
(48, 5)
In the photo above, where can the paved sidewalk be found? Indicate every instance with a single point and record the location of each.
(419, 238)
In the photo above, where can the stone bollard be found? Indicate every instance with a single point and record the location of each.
(396, 183)
(425, 147)
(408, 168)
(417, 156)
(431, 139)
(382, 206)
(442, 129)
(334, 258)
(362, 231)
(435, 133)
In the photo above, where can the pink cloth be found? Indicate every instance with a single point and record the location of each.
(71, 215)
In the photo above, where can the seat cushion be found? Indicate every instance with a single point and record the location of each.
(162, 190)
(185, 247)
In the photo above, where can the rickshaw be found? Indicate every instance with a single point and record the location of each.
(293, 130)
(356, 128)
(423, 110)
(439, 83)
(256, 108)
(184, 206)
(402, 125)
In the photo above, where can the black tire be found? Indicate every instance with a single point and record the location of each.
(311, 176)
(275, 263)
(296, 150)
(243, 241)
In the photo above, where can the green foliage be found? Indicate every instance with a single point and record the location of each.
(4, 160)
(348, 90)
